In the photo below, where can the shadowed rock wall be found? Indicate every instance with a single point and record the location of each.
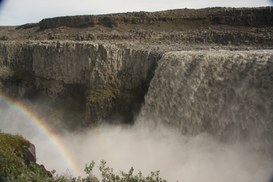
(104, 80)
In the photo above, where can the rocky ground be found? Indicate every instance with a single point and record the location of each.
(183, 28)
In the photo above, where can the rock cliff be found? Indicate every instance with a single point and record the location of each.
(97, 80)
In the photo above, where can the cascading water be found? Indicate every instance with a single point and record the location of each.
(224, 93)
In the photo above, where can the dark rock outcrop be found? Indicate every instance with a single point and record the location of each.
(29, 153)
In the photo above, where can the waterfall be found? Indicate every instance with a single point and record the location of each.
(223, 93)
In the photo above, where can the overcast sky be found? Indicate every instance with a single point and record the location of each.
(15, 12)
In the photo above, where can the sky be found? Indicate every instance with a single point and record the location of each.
(17, 12)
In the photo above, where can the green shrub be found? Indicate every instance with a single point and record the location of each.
(107, 175)
(13, 167)
(13, 161)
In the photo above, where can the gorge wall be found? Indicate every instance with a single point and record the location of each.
(225, 93)
(90, 81)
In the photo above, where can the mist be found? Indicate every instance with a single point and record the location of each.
(182, 158)
(178, 157)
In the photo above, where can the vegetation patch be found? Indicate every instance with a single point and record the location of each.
(6, 73)
(13, 160)
(102, 93)
(107, 174)
(13, 167)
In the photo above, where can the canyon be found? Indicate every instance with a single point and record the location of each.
(98, 67)
(196, 71)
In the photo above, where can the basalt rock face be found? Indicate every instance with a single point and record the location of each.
(94, 80)
(225, 93)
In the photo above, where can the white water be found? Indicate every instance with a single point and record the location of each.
(225, 93)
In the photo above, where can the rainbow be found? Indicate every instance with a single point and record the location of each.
(47, 131)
